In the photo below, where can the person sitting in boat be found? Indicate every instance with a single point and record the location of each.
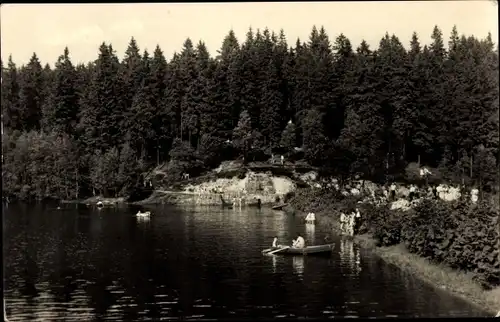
(275, 241)
(299, 242)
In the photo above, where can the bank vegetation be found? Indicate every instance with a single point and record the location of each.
(455, 245)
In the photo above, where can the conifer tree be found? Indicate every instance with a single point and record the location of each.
(62, 110)
(31, 96)
(11, 108)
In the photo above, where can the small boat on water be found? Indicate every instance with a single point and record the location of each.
(310, 250)
(280, 206)
(143, 214)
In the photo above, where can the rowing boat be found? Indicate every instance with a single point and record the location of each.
(310, 250)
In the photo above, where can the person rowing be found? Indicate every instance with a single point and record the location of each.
(275, 243)
(299, 242)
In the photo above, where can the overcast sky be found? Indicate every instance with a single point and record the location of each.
(47, 28)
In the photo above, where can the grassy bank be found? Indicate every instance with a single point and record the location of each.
(460, 283)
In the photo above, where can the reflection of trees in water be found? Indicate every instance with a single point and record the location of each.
(310, 233)
(350, 255)
(298, 265)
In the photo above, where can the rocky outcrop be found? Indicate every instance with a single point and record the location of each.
(254, 186)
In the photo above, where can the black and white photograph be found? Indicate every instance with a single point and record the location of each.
(250, 160)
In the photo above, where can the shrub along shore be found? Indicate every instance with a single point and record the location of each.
(452, 245)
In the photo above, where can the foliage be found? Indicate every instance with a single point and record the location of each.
(183, 160)
(461, 235)
(368, 111)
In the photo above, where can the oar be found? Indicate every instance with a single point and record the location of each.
(278, 250)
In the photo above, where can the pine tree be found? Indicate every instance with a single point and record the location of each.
(160, 127)
(342, 81)
(221, 88)
(102, 119)
(173, 97)
(249, 86)
(11, 109)
(132, 71)
(191, 97)
(31, 96)
(63, 113)
(142, 112)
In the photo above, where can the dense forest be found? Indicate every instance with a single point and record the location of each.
(71, 131)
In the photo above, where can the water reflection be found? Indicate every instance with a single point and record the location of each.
(203, 262)
(350, 254)
(298, 265)
(142, 220)
(310, 233)
(275, 263)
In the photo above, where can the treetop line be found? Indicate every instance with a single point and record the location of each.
(355, 111)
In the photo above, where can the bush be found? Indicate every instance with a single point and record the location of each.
(429, 230)
(384, 224)
(475, 248)
(315, 200)
(463, 236)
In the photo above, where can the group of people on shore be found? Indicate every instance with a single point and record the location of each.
(441, 191)
(350, 222)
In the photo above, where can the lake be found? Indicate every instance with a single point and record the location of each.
(80, 263)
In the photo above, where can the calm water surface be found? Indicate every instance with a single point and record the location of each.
(80, 263)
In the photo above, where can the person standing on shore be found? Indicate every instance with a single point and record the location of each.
(342, 222)
(412, 192)
(351, 223)
(357, 221)
(474, 195)
(393, 191)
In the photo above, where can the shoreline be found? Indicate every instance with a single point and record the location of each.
(454, 282)
(439, 276)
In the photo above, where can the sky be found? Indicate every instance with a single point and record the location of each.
(47, 28)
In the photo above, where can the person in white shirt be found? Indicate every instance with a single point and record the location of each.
(299, 242)
(275, 242)
(351, 223)
(357, 221)
(342, 222)
(474, 195)
(392, 188)
(412, 192)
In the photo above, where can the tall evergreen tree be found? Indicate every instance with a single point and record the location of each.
(102, 118)
(11, 108)
(62, 110)
(160, 122)
(31, 96)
